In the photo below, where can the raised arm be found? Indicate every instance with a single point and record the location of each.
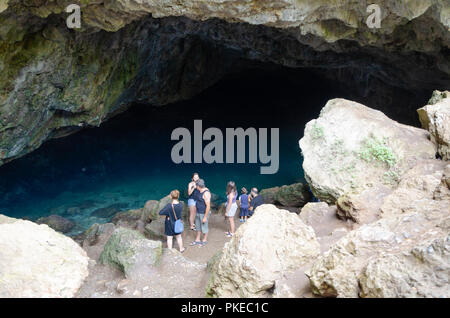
(191, 187)
(165, 211)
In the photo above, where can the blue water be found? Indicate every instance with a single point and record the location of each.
(127, 160)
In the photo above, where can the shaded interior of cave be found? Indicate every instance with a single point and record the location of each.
(127, 160)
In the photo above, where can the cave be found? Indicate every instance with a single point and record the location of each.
(127, 160)
(173, 71)
(337, 111)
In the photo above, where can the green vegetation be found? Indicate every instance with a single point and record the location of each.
(317, 132)
(377, 150)
(391, 177)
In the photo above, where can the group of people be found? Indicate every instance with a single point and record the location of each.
(199, 203)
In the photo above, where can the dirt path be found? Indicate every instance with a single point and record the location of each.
(185, 275)
(177, 275)
(216, 239)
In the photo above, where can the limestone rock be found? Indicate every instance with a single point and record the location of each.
(254, 258)
(128, 218)
(351, 147)
(6, 219)
(152, 208)
(150, 211)
(41, 98)
(356, 258)
(36, 261)
(424, 271)
(310, 17)
(95, 233)
(155, 229)
(327, 226)
(321, 217)
(362, 207)
(57, 222)
(422, 188)
(435, 117)
(294, 195)
(130, 251)
(443, 191)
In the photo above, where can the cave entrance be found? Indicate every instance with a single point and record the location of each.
(127, 160)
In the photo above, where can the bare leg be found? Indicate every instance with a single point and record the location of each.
(180, 242)
(169, 242)
(232, 227)
(197, 237)
(205, 237)
(192, 213)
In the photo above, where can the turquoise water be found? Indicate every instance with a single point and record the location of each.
(127, 160)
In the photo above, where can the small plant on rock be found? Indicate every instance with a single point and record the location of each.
(377, 150)
(317, 132)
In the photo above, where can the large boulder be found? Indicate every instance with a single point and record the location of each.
(422, 271)
(294, 195)
(129, 217)
(152, 207)
(130, 252)
(351, 147)
(435, 118)
(270, 243)
(57, 222)
(150, 210)
(401, 255)
(95, 233)
(155, 229)
(147, 220)
(422, 188)
(36, 261)
(363, 207)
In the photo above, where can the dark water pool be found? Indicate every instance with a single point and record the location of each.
(127, 160)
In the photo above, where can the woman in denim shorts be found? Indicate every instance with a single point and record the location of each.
(193, 193)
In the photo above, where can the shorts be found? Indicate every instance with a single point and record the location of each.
(199, 225)
(191, 202)
(232, 210)
(244, 212)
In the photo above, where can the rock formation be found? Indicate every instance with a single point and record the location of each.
(270, 243)
(406, 255)
(422, 189)
(36, 261)
(423, 271)
(294, 195)
(351, 147)
(399, 245)
(327, 226)
(56, 81)
(130, 251)
(57, 222)
(435, 117)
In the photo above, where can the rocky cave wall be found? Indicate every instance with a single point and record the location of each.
(55, 81)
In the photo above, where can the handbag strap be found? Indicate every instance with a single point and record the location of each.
(174, 214)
